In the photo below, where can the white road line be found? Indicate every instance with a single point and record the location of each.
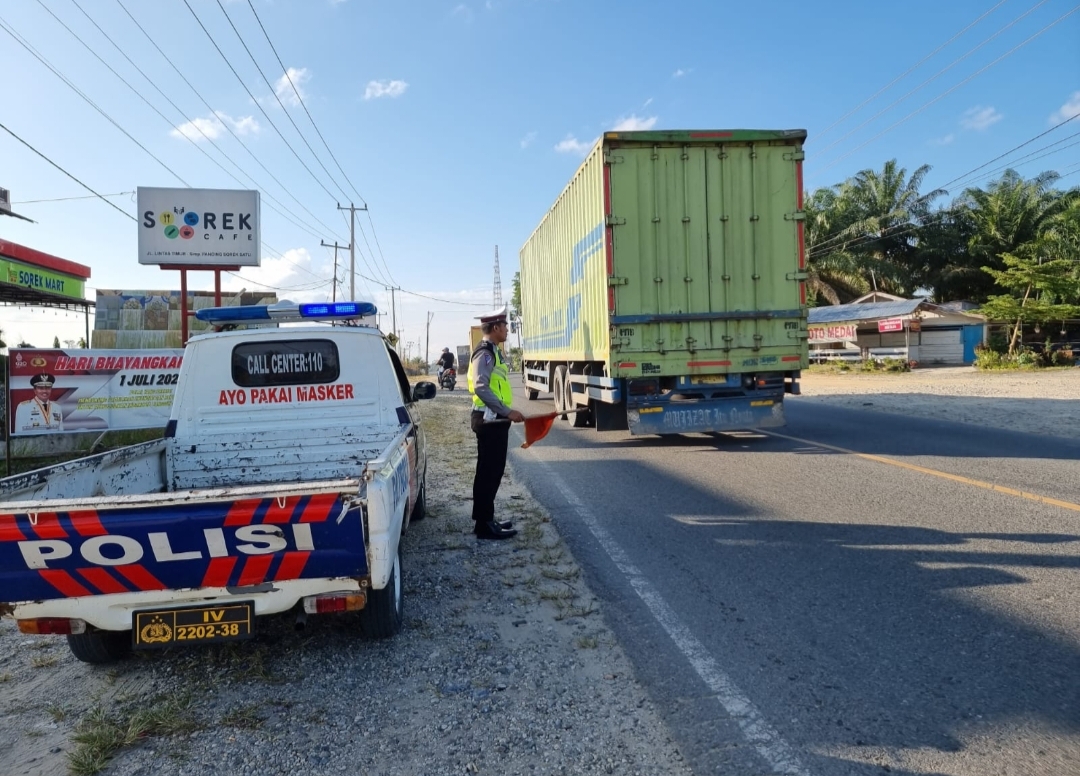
(764, 738)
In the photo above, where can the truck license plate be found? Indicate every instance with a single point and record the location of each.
(193, 625)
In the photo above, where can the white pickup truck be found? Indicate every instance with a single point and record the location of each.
(291, 466)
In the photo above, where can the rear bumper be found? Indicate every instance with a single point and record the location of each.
(705, 415)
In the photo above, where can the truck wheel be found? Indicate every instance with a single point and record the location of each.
(385, 611)
(558, 387)
(531, 394)
(419, 510)
(100, 646)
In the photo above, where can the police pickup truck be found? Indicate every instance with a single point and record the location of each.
(291, 466)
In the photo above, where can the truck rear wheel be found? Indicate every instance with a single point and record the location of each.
(583, 417)
(558, 388)
(385, 610)
(100, 646)
(531, 394)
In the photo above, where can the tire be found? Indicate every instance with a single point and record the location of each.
(531, 394)
(100, 646)
(385, 610)
(419, 510)
(559, 385)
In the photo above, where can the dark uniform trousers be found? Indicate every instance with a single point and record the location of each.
(492, 440)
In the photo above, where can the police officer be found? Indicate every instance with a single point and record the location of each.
(489, 384)
(40, 413)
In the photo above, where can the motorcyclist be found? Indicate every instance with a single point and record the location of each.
(446, 361)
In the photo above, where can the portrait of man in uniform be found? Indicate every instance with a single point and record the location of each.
(40, 413)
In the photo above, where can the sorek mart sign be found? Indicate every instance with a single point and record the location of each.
(50, 281)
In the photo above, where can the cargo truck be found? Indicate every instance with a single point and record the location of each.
(664, 291)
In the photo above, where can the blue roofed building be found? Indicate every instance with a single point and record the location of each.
(880, 325)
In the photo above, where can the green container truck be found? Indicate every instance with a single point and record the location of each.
(664, 292)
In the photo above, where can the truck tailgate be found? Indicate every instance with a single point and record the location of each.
(228, 537)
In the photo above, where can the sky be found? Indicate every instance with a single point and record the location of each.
(459, 123)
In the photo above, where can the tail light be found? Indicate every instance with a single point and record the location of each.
(61, 626)
(643, 387)
(334, 602)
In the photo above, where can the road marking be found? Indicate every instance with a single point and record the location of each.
(935, 473)
(764, 738)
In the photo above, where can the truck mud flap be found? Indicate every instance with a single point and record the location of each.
(705, 416)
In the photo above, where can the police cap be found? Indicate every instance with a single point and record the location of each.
(495, 316)
(44, 379)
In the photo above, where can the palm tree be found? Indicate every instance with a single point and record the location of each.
(889, 212)
(834, 274)
(1012, 214)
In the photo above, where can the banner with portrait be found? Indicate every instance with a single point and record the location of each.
(61, 391)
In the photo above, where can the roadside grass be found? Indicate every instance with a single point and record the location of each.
(5, 677)
(245, 717)
(44, 661)
(99, 735)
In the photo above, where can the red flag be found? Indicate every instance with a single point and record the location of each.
(537, 427)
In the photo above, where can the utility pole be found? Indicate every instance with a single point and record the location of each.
(393, 310)
(335, 246)
(427, 342)
(352, 246)
(497, 287)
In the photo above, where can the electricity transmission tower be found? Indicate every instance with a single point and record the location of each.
(497, 287)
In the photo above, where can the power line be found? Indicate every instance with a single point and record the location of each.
(906, 73)
(191, 140)
(225, 124)
(254, 99)
(1015, 148)
(978, 72)
(934, 77)
(68, 199)
(61, 169)
(302, 103)
(279, 102)
(18, 39)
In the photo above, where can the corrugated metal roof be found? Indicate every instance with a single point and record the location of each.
(864, 312)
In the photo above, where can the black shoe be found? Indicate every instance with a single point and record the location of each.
(492, 530)
(506, 525)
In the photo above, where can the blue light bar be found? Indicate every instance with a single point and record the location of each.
(251, 312)
(286, 311)
(337, 310)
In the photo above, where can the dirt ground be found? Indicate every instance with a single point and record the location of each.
(1037, 402)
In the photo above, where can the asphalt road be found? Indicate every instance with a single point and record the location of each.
(853, 597)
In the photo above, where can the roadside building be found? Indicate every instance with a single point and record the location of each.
(880, 325)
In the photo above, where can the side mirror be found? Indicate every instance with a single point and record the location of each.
(423, 390)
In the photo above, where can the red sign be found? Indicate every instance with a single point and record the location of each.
(891, 324)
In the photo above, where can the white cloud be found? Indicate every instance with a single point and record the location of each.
(284, 90)
(528, 140)
(213, 127)
(376, 89)
(571, 145)
(1070, 108)
(648, 102)
(980, 118)
(943, 141)
(463, 11)
(633, 123)
(680, 72)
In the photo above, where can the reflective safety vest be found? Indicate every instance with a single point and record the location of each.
(500, 377)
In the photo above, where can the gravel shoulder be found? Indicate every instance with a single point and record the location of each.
(504, 666)
(1036, 402)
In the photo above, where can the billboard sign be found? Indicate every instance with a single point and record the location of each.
(61, 391)
(837, 332)
(890, 324)
(40, 279)
(199, 227)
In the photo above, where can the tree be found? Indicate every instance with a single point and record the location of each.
(833, 273)
(1027, 276)
(82, 342)
(56, 342)
(24, 344)
(515, 300)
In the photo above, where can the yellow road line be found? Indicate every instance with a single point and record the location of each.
(934, 473)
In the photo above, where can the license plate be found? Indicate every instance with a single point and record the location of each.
(708, 380)
(193, 625)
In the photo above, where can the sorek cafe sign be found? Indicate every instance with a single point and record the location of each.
(18, 274)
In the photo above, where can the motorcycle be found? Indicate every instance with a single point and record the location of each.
(448, 378)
